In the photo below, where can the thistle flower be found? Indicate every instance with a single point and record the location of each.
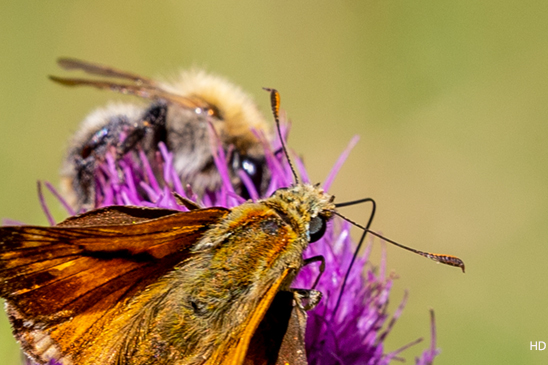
(351, 334)
(428, 355)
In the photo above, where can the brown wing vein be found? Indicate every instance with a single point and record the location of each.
(52, 274)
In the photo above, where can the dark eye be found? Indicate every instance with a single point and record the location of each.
(253, 167)
(316, 228)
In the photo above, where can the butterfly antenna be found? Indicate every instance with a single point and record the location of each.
(439, 258)
(275, 103)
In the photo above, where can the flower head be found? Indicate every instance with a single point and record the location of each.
(351, 334)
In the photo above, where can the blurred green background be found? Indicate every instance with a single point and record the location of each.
(450, 100)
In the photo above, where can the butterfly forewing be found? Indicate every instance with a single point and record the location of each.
(64, 283)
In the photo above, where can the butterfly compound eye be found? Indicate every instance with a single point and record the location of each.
(316, 228)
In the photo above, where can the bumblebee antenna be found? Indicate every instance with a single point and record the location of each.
(275, 103)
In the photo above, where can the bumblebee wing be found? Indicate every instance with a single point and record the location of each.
(144, 91)
(141, 86)
(62, 284)
(103, 70)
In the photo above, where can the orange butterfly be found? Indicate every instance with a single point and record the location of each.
(130, 285)
(139, 285)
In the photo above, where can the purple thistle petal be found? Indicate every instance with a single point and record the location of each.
(393, 354)
(168, 160)
(299, 165)
(340, 161)
(427, 357)
(152, 195)
(57, 195)
(248, 184)
(279, 177)
(44, 205)
(12, 222)
(219, 157)
(148, 173)
(131, 189)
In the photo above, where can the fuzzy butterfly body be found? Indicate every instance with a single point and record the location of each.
(128, 285)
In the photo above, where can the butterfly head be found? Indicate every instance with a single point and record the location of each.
(307, 204)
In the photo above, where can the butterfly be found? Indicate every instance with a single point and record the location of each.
(134, 285)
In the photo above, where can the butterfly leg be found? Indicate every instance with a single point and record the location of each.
(306, 299)
(313, 259)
